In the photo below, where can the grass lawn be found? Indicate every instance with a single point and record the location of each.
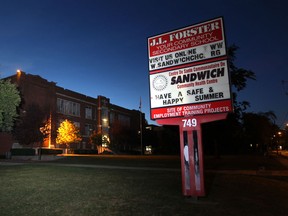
(53, 189)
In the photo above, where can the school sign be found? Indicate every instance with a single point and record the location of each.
(189, 71)
(189, 86)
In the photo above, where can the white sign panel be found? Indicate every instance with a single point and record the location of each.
(190, 85)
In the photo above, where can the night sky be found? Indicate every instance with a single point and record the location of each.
(100, 47)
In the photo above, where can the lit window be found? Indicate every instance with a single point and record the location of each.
(68, 107)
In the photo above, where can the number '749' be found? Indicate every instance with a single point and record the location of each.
(189, 122)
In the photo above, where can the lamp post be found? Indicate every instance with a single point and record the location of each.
(141, 137)
(140, 126)
(279, 140)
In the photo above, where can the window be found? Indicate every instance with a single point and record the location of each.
(88, 112)
(68, 107)
(77, 124)
(124, 120)
(104, 113)
(88, 129)
(112, 117)
(105, 120)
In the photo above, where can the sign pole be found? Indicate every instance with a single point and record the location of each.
(191, 151)
(192, 163)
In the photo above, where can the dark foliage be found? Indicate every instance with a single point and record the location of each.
(51, 151)
(241, 132)
(239, 78)
(85, 151)
(27, 130)
(23, 151)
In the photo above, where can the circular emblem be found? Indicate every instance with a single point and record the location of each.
(160, 82)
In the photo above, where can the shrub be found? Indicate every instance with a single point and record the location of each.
(23, 151)
(85, 151)
(51, 151)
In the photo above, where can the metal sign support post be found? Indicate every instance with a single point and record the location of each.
(191, 148)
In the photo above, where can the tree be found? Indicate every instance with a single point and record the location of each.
(230, 131)
(239, 78)
(100, 140)
(28, 129)
(9, 102)
(259, 128)
(96, 138)
(68, 133)
(122, 137)
(46, 128)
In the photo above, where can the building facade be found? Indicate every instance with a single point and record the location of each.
(119, 125)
